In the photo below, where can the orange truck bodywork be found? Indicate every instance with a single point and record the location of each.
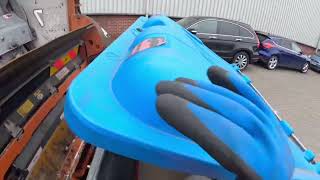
(94, 42)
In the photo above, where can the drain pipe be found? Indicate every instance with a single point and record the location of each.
(147, 8)
(317, 48)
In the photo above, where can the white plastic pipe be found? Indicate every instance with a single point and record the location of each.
(147, 8)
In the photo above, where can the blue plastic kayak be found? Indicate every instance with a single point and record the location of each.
(111, 104)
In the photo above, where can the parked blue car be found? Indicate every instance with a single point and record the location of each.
(276, 51)
(315, 62)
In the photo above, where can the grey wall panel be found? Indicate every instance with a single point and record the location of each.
(295, 19)
(113, 6)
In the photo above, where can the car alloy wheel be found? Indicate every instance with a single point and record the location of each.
(273, 62)
(241, 60)
(305, 68)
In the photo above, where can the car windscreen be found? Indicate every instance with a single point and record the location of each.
(186, 22)
(205, 26)
(262, 37)
(277, 40)
(315, 57)
(296, 48)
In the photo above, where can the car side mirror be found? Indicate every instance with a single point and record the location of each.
(193, 31)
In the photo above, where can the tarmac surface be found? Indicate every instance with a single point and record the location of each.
(294, 95)
(296, 98)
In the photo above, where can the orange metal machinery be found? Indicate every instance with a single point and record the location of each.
(67, 57)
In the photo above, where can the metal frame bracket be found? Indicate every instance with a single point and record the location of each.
(52, 89)
(14, 130)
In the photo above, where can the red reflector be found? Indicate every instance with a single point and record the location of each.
(72, 54)
(267, 45)
(58, 64)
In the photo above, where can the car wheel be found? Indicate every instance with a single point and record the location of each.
(241, 59)
(305, 68)
(272, 62)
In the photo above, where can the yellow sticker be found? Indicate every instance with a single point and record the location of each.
(53, 70)
(66, 59)
(76, 49)
(25, 108)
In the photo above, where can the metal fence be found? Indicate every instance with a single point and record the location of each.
(294, 19)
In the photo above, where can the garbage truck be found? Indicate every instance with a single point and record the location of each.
(44, 45)
(73, 105)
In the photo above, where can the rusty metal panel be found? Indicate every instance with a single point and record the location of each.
(52, 155)
(70, 163)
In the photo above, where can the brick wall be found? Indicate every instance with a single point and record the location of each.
(116, 24)
(308, 50)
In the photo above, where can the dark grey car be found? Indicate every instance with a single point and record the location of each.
(315, 62)
(234, 41)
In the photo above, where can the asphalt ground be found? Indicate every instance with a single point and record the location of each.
(296, 98)
(294, 95)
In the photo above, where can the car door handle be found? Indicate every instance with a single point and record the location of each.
(213, 37)
(238, 39)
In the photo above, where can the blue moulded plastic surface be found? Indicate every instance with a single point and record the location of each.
(111, 104)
